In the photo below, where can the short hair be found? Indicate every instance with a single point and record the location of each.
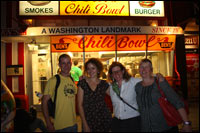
(97, 63)
(126, 75)
(63, 56)
(147, 61)
(76, 62)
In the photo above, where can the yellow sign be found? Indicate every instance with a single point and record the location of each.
(98, 8)
(95, 43)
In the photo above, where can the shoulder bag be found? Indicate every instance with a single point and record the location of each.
(171, 114)
(52, 104)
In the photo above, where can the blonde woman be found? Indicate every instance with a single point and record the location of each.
(152, 118)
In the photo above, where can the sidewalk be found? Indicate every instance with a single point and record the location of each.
(193, 117)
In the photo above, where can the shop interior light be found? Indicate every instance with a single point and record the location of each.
(153, 24)
(169, 32)
(70, 54)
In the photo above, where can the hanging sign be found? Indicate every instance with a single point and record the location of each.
(95, 43)
(147, 8)
(97, 8)
(191, 42)
(38, 8)
(91, 30)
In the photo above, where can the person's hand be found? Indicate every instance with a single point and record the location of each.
(186, 128)
(82, 77)
(86, 128)
(160, 77)
(50, 127)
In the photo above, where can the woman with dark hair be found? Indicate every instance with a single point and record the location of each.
(123, 96)
(94, 113)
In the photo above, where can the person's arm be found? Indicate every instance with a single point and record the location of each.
(8, 119)
(81, 110)
(183, 114)
(174, 98)
(45, 111)
(108, 91)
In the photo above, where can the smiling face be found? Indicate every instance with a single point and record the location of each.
(145, 69)
(65, 65)
(92, 70)
(117, 73)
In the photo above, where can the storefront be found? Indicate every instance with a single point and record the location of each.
(192, 63)
(81, 29)
(127, 45)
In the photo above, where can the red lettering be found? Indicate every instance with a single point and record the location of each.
(80, 43)
(103, 42)
(103, 8)
(106, 39)
(150, 40)
(91, 41)
(122, 42)
(99, 8)
(72, 8)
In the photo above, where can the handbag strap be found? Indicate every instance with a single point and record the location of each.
(127, 103)
(57, 84)
(116, 90)
(161, 91)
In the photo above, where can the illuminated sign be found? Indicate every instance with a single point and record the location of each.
(108, 8)
(147, 8)
(89, 30)
(95, 43)
(191, 42)
(92, 8)
(37, 8)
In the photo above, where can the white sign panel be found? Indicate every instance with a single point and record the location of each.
(91, 30)
(147, 8)
(36, 8)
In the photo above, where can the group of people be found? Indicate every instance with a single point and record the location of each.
(134, 100)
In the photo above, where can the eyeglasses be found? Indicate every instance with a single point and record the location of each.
(116, 72)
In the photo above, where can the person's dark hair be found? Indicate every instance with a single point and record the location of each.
(126, 75)
(97, 63)
(63, 56)
(75, 62)
(147, 61)
(18, 103)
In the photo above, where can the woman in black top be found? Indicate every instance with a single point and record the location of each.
(94, 113)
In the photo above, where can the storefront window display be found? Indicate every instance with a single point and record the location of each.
(127, 49)
(41, 69)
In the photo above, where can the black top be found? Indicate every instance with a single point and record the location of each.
(97, 114)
